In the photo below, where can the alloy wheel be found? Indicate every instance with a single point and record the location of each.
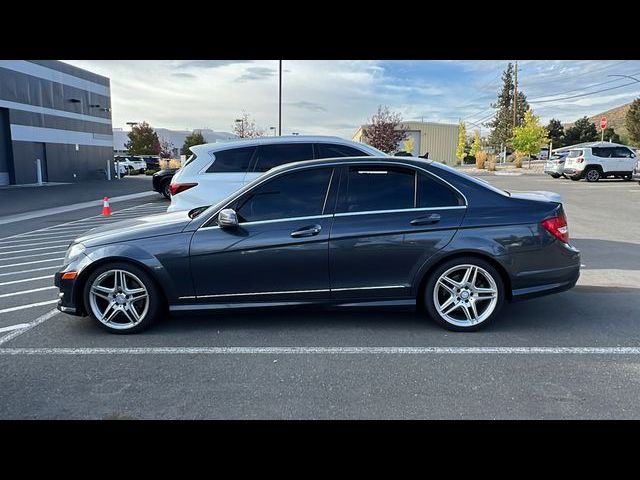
(465, 295)
(119, 299)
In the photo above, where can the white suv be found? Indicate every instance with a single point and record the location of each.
(600, 160)
(216, 170)
(129, 163)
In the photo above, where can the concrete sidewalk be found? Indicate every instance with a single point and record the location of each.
(18, 200)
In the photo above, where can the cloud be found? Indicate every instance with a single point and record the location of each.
(314, 107)
(256, 73)
(183, 75)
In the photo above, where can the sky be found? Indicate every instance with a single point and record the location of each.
(335, 97)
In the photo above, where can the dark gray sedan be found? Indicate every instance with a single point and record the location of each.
(340, 232)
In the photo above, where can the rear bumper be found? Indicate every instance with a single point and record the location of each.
(572, 172)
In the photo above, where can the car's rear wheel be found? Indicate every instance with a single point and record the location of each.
(627, 177)
(555, 175)
(165, 189)
(592, 175)
(575, 179)
(464, 294)
(122, 298)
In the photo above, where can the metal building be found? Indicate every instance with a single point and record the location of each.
(439, 139)
(56, 113)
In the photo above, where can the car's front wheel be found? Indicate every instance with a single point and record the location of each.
(464, 294)
(122, 298)
(166, 191)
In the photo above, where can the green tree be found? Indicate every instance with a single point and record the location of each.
(610, 135)
(582, 131)
(476, 146)
(528, 138)
(556, 132)
(502, 123)
(462, 140)
(385, 132)
(632, 121)
(195, 138)
(143, 140)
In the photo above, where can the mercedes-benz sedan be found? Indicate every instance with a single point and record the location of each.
(341, 232)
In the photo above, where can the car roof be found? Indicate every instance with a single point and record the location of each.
(248, 142)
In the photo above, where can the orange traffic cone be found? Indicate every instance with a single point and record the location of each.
(106, 209)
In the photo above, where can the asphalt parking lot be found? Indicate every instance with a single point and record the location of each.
(572, 355)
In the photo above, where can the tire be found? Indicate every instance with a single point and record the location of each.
(555, 176)
(146, 310)
(592, 175)
(575, 179)
(627, 177)
(438, 293)
(165, 189)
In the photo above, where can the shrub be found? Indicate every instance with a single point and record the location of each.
(518, 160)
(491, 163)
(481, 158)
(170, 163)
(133, 171)
(150, 172)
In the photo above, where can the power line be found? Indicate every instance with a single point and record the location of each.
(564, 75)
(581, 88)
(582, 95)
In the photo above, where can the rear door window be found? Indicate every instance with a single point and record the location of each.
(332, 150)
(270, 156)
(233, 160)
(603, 152)
(433, 193)
(370, 188)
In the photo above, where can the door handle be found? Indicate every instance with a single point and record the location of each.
(428, 220)
(309, 231)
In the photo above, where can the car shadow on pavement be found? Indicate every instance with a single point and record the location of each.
(608, 254)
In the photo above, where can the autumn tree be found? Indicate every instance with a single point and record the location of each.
(528, 138)
(143, 140)
(462, 140)
(632, 121)
(476, 146)
(195, 138)
(245, 127)
(385, 131)
(166, 148)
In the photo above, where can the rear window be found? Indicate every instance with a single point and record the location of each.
(234, 160)
(190, 159)
(270, 156)
(329, 150)
(575, 153)
(433, 193)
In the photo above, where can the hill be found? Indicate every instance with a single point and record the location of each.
(615, 119)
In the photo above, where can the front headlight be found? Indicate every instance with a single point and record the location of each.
(73, 251)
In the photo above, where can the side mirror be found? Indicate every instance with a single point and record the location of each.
(227, 218)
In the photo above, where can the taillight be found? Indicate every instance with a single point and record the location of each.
(176, 188)
(580, 159)
(557, 226)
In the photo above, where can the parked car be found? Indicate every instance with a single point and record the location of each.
(555, 165)
(600, 160)
(341, 232)
(217, 169)
(161, 181)
(636, 171)
(152, 162)
(129, 163)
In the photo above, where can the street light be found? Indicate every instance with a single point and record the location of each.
(132, 124)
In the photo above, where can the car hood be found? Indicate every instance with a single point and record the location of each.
(539, 195)
(136, 228)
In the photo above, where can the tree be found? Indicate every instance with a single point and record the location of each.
(556, 133)
(610, 135)
(245, 127)
(195, 138)
(502, 123)
(166, 148)
(632, 121)
(143, 140)
(385, 132)
(528, 138)
(476, 146)
(462, 140)
(408, 145)
(582, 131)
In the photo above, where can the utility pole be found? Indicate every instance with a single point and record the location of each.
(515, 98)
(280, 99)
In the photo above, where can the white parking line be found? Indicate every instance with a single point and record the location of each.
(53, 267)
(325, 351)
(31, 250)
(29, 263)
(31, 305)
(33, 279)
(24, 292)
(14, 327)
(30, 325)
(19, 245)
(58, 252)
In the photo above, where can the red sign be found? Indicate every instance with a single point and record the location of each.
(603, 123)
